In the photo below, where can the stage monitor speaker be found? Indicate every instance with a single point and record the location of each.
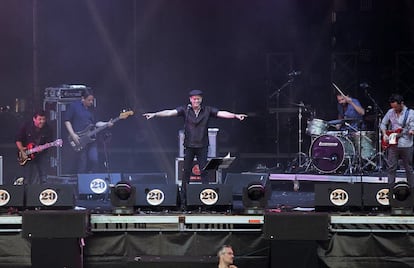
(145, 178)
(156, 196)
(55, 224)
(375, 196)
(211, 197)
(50, 196)
(96, 183)
(296, 226)
(240, 180)
(11, 196)
(338, 197)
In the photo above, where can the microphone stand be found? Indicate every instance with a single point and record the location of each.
(277, 94)
(378, 114)
(106, 139)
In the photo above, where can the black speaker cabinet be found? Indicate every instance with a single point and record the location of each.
(11, 196)
(57, 252)
(375, 196)
(55, 237)
(145, 178)
(52, 196)
(96, 183)
(156, 195)
(296, 226)
(55, 224)
(213, 196)
(240, 180)
(338, 197)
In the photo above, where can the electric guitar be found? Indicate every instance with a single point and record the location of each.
(393, 136)
(31, 149)
(87, 135)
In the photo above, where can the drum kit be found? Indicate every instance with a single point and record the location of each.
(350, 151)
(340, 151)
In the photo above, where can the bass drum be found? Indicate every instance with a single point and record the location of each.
(330, 154)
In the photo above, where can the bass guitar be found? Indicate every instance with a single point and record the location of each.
(88, 135)
(31, 150)
(393, 136)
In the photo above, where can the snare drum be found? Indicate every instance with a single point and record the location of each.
(329, 153)
(316, 127)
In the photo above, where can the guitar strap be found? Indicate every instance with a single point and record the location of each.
(405, 117)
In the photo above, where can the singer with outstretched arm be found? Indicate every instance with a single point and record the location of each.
(196, 119)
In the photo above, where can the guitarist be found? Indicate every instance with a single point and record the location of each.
(78, 117)
(32, 133)
(399, 119)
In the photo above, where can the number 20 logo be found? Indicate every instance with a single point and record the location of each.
(48, 197)
(4, 197)
(155, 197)
(339, 197)
(209, 197)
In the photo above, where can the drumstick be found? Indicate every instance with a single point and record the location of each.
(337, 88)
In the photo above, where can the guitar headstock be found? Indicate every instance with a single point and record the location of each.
(124, 114)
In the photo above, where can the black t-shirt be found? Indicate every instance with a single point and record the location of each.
(196, 127)
(28, 133)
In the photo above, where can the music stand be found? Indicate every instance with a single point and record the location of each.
(217, 164)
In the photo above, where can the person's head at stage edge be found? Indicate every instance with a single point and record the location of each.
(225, 257)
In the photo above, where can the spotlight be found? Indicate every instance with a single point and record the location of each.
(255, 197)
(255, 191)
(19, 181)
(123, 198)
(402, 200)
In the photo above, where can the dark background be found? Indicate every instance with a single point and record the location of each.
(147, 54)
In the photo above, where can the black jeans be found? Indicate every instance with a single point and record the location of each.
(189, 154)
(406, 155)
(35, 171)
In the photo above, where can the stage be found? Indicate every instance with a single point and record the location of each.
(288, 229)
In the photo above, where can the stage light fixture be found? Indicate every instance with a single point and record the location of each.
(402, 200)
(255, 198)
(123, 198)
(255, 191)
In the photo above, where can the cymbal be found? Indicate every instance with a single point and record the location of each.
(301, 105)
(341, 121)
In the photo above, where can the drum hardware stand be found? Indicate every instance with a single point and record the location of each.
(301, 162)
(359, 169)
(378, 118)
(300, 130)
(306, 164)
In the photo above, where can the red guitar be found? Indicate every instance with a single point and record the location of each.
(31, 149)
(393, 136)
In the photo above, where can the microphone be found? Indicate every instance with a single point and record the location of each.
(188, 106)
(364, 85)
(294, 73)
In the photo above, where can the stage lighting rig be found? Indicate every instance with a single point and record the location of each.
(255, 197)
(123, 198)
(401, 199)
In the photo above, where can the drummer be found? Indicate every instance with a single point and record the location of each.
(351, 109)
